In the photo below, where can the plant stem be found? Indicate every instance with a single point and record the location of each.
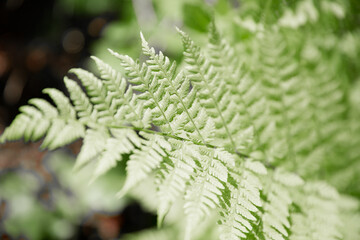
(177, 138)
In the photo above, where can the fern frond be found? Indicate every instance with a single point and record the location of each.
(121, 97)
(62, 133)
(174, 176)
(276, 72)
(93, 144)
(350, 217)
(319, 218)
(276, 215)
(144, 160)
(152, 91)
(82, 105)
(66, 128)
(60, 127)
(207, 186)
(184, 98)
(327, 113)
(97, 92)
(123, 142)
(66, 110)
(105, 148)
(158, 62)
(231, 71)
(115, 84)
(240, 214)
(201, 197)
(212, 92)
(18, 127)
(45, 107)
(200, 136)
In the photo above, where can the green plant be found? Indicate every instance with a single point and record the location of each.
(30, 203)
(246, 136)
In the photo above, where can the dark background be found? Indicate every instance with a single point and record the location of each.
(39, 42)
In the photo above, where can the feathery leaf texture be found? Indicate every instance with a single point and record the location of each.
(219, 136)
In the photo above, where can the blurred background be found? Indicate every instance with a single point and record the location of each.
(40, 40)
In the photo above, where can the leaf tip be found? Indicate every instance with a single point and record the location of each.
(142, 37)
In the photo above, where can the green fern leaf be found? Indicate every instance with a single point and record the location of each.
(82, 105)
(240, 213)
(212, 92)
(97, 93)
(144, 160)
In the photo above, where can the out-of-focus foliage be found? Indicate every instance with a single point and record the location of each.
(92, 7)
(154, 18)
(60, 204)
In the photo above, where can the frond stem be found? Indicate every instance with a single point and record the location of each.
(176, 137)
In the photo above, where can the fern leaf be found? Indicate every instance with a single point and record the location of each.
(106, 148)
(42, 119)
(198, 130)
(114, 83)
(97, 93)
(318, 202)
(231, 73)
(45, 107)
(240, 213)
(114, 149)
(66, 110)
(174, 176)
(112, 79)
(17, 128)
(122, 98)
(158, 62)
(206, 189)
(152, 91)
(276, 215)
(194, 121)
(61, 133)
(35, 114)
(212, 93)
(143, 161)
(82, 105)
(94, 144)
(200, 198)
